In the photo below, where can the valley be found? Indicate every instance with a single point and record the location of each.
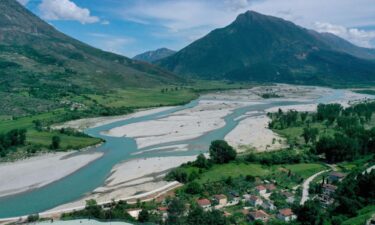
(137, 143)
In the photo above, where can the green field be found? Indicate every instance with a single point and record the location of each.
(139, 98)
(363, 215)
(218, 172)
(305, 170)
(236, 169)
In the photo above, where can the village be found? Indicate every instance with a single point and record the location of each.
(258, 205)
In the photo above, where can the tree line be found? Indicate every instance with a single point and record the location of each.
(12, 139)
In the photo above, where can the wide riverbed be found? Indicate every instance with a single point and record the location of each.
(119, 148)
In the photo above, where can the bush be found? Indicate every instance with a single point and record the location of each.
(221, 152)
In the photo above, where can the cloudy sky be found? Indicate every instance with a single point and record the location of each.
(130, 27)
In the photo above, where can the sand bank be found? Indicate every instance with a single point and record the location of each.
(82, 124)
(133, 177)
(253, 133)
(41, 170)
(183, 125)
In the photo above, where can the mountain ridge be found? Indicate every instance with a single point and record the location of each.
(154, 55)
(40, 65)
(256, 47)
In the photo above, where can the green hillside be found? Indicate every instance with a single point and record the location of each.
(40, 67)
(257, 47)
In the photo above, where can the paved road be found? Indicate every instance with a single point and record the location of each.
(306, 186)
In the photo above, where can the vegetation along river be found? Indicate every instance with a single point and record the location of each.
(118, 149)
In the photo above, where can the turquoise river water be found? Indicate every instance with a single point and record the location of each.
(116, 150)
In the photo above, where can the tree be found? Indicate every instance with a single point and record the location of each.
(193, 188)
(310, 134)
(176, 209)
(201, 162)
(55, 142)
(310, 213)
(221, 152)
(144, 216)
(92, 208)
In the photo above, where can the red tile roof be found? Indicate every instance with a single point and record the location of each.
(204, 202)
(286, 212)
(260, 188)
(258, 214)
(163, 209)
(270, 187)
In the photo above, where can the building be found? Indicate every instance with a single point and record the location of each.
(289, 197)
(134, 212)
(204, 203)
(255, 201)
(335, 176)
(163, 211)
(286, 215)
(268, 205)
(222, 200)
(270, 187)
(329, 189)
(261, 190)
(258, 215)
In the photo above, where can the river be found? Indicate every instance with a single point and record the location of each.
(118, 149)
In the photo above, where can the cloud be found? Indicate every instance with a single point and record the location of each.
(359, 37)
(105, 22)
(177, 15)
(65, 10)
(111, 43)
(23, 2)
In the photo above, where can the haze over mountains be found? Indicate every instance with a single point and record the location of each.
(257, 47)
(152, 56)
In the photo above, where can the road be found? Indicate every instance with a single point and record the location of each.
(306, 186)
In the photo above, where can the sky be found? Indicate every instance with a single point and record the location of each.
(130, 27)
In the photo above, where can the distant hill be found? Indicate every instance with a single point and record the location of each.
(39, 65)
(152, 56)
(257, 47)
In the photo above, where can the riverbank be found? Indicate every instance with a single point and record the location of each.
(176, 132)
(133, 179)
(38, 171)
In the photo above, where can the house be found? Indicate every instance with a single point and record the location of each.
(286, 215)
(268, 205)
(258, 215)
(289, 196)
(335, 176)
(255, 200)
(261, 190)
(134, 212)
(163, 211)
(270, 187)
(204, 203)
(222, 200)
(329, 189)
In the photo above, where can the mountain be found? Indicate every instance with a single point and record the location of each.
(152, 56)
(257, 47)
(40, 65)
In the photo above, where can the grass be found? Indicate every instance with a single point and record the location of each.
(305, 170)
(67, 142)
(139, 98)
(363, 215)
(218, 172)
(295, 133)
(237, 169)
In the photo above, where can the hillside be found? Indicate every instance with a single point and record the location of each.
(40, 66)
(152, 56)
(257, 47)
